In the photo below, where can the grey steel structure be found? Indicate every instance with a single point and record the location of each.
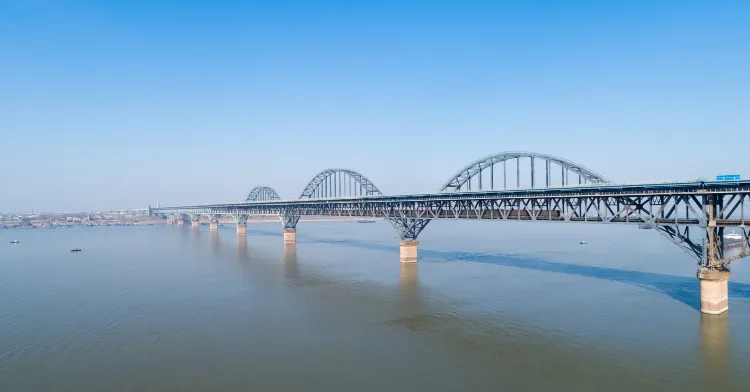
(262, 193)
(477, 171)
(694, 215)
(339, 183)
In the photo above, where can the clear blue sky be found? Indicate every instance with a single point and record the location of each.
(118, 104)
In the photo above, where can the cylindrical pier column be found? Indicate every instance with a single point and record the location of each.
(214, 226)
(714, 291)
(290, 236)
(408, 251)
(242, 229)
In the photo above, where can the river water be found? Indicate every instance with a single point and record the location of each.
(489, 306)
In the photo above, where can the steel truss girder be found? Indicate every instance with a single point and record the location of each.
(289, 219)
(240, 218)
(408, 229)
(694, 219)
(209, 216)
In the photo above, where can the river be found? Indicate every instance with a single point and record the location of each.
(489, 306)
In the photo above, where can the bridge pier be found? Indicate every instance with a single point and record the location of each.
(242, 229)
(290, 236)
(408, 229)
(180, 221)
(195, 223)
(214, 226)
(408, 251)
(714, 290)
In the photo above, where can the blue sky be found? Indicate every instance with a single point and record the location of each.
(118, 104)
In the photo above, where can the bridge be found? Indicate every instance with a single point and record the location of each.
(692, 215)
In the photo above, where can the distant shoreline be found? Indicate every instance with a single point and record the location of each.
(151, 221)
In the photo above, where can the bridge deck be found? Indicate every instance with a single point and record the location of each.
(679, 188)
(671, 208)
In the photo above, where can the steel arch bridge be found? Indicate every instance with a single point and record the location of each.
(262, 193)
(692, 215)
(339, 183)
(478, 170)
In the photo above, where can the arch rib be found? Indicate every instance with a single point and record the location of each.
(473, 169)
(367, 187)
(262, 193)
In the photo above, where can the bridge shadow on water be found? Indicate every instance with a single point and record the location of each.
(681, 288)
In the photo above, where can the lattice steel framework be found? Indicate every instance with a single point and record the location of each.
(262, 193)
(211, 217)
(481, 173)
(339, 183)
(240, 217)
(333, 183)
(694, 215)
(289, 218)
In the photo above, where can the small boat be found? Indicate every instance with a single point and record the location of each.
(733, 236)
(15, 241)
(583, 242)
(76, 250)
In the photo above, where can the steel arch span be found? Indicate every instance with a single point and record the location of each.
(339, 183)
(476, 171)
(334, 183)
(262, 193)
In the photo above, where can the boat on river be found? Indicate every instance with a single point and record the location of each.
(733, 236)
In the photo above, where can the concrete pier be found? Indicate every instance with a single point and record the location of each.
(408, 251)
(214, 226)
(714, 291)
(290, 236)
(242, 229)
(195, 223)
(180, 221)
